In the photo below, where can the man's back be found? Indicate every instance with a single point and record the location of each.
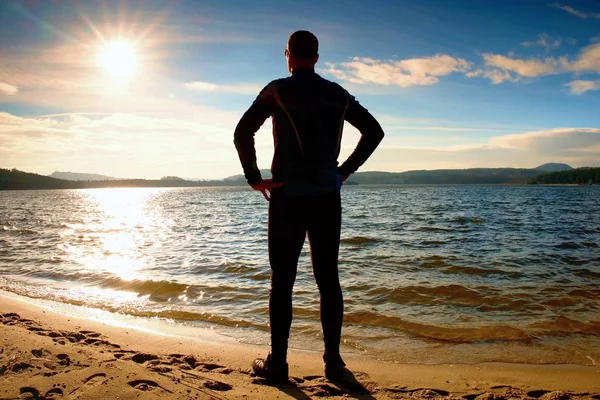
(308, 117)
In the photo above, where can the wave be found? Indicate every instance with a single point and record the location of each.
(441, 333)
(433, 242)
(359, 240)
(13, 230)
(435, 229)
(474, 220)
(483, 298)
(135, 310)
(567, 245)
(586, 273)
(564, 325)
(481, 271)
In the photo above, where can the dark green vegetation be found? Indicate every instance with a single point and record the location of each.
(579, 176)
(19, 180)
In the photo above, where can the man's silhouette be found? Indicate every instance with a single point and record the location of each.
(308, 117)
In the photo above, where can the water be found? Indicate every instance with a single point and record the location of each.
(429, 273)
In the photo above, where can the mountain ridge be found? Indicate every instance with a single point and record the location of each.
(15, 179)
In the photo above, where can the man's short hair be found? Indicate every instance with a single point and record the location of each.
(303, 44)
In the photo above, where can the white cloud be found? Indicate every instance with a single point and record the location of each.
(588, 59)
(500, 68)
(577, 13)
(403, 73)
(582, 86)
(240, 88)
(532, 67)
(552, 141)
(8, 89)
(544, 40)
(125, 145)
(495, 75)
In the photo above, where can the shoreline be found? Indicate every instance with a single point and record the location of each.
(46, 352)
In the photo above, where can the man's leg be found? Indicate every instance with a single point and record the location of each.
(287, 231)
(324, 236)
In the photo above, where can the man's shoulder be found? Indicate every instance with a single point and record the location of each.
(333, 85)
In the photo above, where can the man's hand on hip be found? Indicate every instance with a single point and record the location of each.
(266, 186)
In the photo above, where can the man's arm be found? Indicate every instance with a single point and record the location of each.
(371, 136)
(249, 124)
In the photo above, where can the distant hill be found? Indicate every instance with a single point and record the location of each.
(19, 180)
(552, 167)
(265, 173)
(78, 176)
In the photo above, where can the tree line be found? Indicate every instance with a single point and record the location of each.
(579, 176)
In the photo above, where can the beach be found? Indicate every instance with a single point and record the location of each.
(45, 354)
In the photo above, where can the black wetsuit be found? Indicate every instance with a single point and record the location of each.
(308, 116)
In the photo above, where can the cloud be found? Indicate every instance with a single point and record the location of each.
(582, 86)
(553, 142)
(495, 75)
(574, 146)
(8, 89)
(544, 40)
(125, 144)
(240, 88)
(402, 73)
(588, 59)
(532, 67)
(577, 13)
(500, 68)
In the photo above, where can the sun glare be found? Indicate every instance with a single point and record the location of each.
(119, 58)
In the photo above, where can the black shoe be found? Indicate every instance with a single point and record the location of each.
(335, 368)
(271, 371)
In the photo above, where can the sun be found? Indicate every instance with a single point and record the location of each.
(119, 59)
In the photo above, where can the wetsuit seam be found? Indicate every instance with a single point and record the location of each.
(277, 98)
(339, 142)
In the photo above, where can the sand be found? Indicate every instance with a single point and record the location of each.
(46, 354)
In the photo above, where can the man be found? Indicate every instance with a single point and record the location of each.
(308, 116)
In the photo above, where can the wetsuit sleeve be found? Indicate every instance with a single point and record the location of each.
(371, 136)
(249, 124)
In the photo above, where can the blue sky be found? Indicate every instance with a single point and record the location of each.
(153, 88)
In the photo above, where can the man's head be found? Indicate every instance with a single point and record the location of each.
(302, 50)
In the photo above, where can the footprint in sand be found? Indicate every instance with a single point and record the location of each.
(29, 392)
(217, 385)
(54, 393)
(144, 385)
(90, 381)
(95, 379)
(141, 358)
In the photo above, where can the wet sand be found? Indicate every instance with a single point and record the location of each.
(47, 355)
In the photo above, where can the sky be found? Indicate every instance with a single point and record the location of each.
(149, 88)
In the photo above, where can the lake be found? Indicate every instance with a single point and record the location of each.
(430, 273)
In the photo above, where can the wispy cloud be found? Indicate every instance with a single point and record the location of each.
(544, 40)
(403, 73)
(577, 13)
(574, 146)
(239, 88)
(582, 86)
(8, 89)
(500, 68)
(532, 67)
(496, 76)
(123, 145)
